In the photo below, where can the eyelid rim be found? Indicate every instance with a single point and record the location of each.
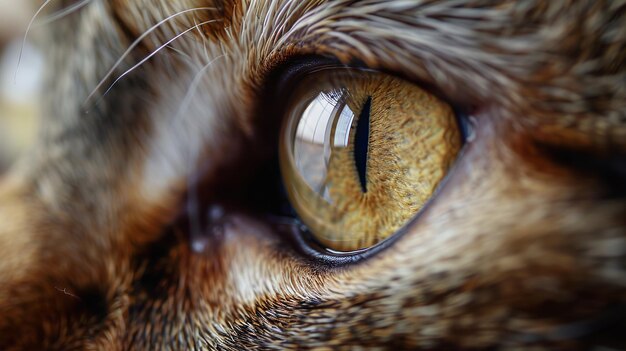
(306, 245)
(302, 240)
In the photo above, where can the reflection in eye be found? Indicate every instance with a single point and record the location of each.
(361, 153)
(325, 126)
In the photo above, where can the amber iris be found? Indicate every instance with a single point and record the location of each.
(362, 152)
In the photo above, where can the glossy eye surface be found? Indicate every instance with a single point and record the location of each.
(361, 152)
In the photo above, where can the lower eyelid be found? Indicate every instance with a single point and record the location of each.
(346, 242)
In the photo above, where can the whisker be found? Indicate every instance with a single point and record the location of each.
(150, 56)
(193, 202)
(134, 44)
(206, 52)
(62, 13)
(183, 56)
(30, 24)
(193, 87)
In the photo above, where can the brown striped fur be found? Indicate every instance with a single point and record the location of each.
(523, 247)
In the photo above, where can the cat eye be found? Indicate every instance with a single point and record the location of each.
(361, 152)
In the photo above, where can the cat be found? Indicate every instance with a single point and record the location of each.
(159, 113)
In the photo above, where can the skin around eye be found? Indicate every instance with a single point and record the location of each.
(361, 152)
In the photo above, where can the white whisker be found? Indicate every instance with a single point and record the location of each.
(30, 24)
(193, 87)
(192, 203)
(62, 13)
(206, 52)
(128, 71)
(183, 56)
(134, 44)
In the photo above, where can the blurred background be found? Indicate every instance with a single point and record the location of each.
(20, 89)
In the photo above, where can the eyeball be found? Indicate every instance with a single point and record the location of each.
(361, 152)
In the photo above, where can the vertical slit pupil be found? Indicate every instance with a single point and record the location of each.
(361, 143)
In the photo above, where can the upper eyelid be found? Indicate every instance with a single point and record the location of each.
(308, 247)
